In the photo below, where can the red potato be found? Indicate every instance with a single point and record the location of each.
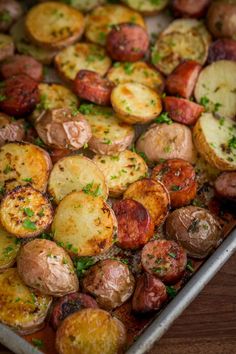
(225, 185)
(11, 130)
(10, 11)
(19, 95)
(21, 64)
(183, 79)
(164, 259)
(90, 86)
(179, 177)
(69, 304)
(127, 42)
(222, 49)
(190, 8)
(182, 110)
(135, 226)
(149, 295)
(221, 18)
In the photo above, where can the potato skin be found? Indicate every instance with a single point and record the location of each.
(46, 267)
(190, 8)
(221, 19)
(10, 130)
(196, 229)
(110, 282)
(225, 185)
(222, 49)
(127, 42)
(10, 11)
(59, 128)
(149, 295)
(135, 226)
(91, 331)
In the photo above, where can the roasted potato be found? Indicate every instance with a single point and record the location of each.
(121, 170)
(190, 8)
(221, 18)
(86, 5)
(196, 229)
(62, 129)
(63, 25)
(10, 130)
(222, 49)
(21, 308)
(216, 87)
(82, 56)
(225, 185)
(167, 141)
(75, 173)
(215, 141)
(101, 19)
(109, 135)
(110, 282)
(146, 7)
(24, 163)
(9, 247)
(141, 72)
(47, 268)
(84, 223)
(153, 196)
(10, 11)
(135, 226)
(25, 212)
(135, 103)
(6, 46)
(165, 259)
(24, 46)
(91, 331)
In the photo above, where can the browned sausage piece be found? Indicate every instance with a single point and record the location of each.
(164, 259)
(179, 177)
(22, 64)
(61, 129)
(127, 42)
(225, 185)
(135, 226)
(90, 86)
(69, 304)
(57, 154)
(149, 295)
(222, 49)
(10, 11)
(110, 282)
(190, 8)
(18, 95)
(183, 79)
(10, 130)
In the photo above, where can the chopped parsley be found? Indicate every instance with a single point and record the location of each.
(204, 101)
(232, 143)
(89, 189)
(38, 343)
(7, 169)
(2, 98)
(175, 188)
(190, 266)
(29, 212)
(171, 291)
(163, 118)
(29, 225)
(128, 68)
(82, 264)
(172, 254)
(5, 16)
(27, 179)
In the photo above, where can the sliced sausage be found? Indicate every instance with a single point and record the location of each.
(127, 42)
(190, 8)
(110, 282)
(222, 49)
(183, 79)
(149, 295)
(182, 110)
(19, 95)
(69, 304)
(10, 130)
(164, 259)
(57, 154)
(10, 11)
(60, 128)
(179, 177)
(22, 64)
(90, 86)
(225, 185)
(196, 229)
(135, 226)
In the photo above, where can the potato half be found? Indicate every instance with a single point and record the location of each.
(62, 24)
(135, 102)
(102, 18)
(121, 170)
(84, 224)
(216, 85)
(76, 173)
(24, 163)
(148, 7)
(91, 331)
(9, 247)
(215, 139)
(21, 308)
(82, 56)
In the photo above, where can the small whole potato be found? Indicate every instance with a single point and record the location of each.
(221, 18)
(45, 266)
(196, 229)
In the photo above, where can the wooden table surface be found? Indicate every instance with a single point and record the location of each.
(208, 326)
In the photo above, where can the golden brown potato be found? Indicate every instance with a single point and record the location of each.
(11, 130)
(46, 267)
(9, 247)
(146, 7)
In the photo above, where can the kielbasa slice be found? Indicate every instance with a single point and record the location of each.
(225, 185)
(222, 49)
